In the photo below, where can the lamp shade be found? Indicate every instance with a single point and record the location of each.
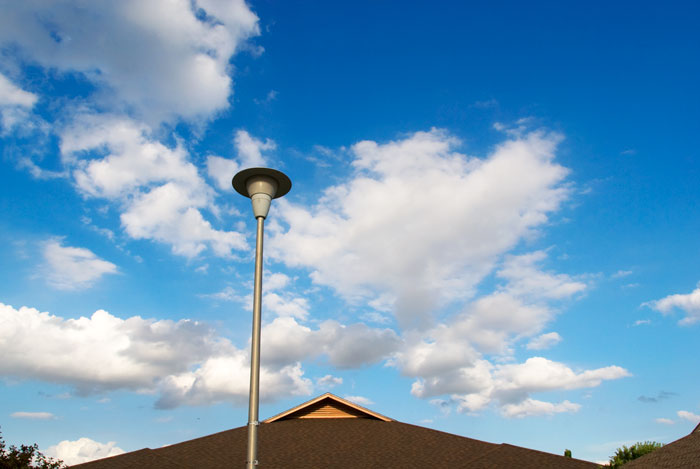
(242, 180)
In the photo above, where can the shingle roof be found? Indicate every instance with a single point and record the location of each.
(683, 453)
(341, 443)
(135, 460)
(309, 437)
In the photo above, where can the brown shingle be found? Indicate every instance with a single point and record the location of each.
(135, 460)
(349, 444)
(683, 453)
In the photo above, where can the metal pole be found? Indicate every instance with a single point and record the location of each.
(253, 402)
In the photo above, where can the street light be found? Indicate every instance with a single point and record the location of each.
(261, 185)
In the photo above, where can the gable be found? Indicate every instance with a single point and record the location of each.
(327, 406)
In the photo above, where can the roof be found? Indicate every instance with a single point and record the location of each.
(296, 439)
(683, 453)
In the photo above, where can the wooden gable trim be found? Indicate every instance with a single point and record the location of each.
(327, 406)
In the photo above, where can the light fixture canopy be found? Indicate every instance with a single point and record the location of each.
(240, 181)
(261, 185)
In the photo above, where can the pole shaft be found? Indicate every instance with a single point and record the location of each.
(254, 398)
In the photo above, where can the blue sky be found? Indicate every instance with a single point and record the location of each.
(493, 227)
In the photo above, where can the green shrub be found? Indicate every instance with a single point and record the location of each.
(624, 455)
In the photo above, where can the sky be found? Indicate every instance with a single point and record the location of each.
(492, 230)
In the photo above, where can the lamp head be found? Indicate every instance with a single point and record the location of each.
(261, 185)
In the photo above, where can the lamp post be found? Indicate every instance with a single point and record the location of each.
(261, 185)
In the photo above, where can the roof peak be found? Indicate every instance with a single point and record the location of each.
(327, 405)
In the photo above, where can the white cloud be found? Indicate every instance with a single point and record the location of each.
(284, 343)
(329, 381)
(363, 401)
(185, 362)
(33, 415)
(131, 158)
(356, 345)
(101, 352)
(276, 281)
(283, 306)
(82, 450)
(664, 421)
(72, 268)
(403, 225)
(222, 170)
(689, 304)
(160, 193)
(493, 321)
(12, 95)
(250, 149)
(226, 378)
(531, 407)
(477, 383)
(642, 322)
(525, 280)
(277, 301)
(15, 104)
(156, 59)
(689, 416)
(345, 346)
(227, 294)
(249, 154)
(539, 374)
(168, 214)
(622, 273)
(147, 64)
(544, 341)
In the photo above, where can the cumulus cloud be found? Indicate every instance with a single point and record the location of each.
(249, 154)
(689, 416)
(282, 306)
(250, 149)
(526, 280)
(665, 421)
(532, 407)
(403, 226)
(33, 415)
(276, 300)
(345, 346)
(489, 324)
(141, 65)
(184, 362)
(544, 341)
(160, 193)
(72, 268)
(688, 303)
(12, 95)
(475, 386)
(101, 352)
(221, 171)
(140, 59)
(538, 374)
(452, 358)
(82, 450)
(15, 104)
(129, 158)
(226, 378)
(285, 344)
(363, 401)
(329, 381)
